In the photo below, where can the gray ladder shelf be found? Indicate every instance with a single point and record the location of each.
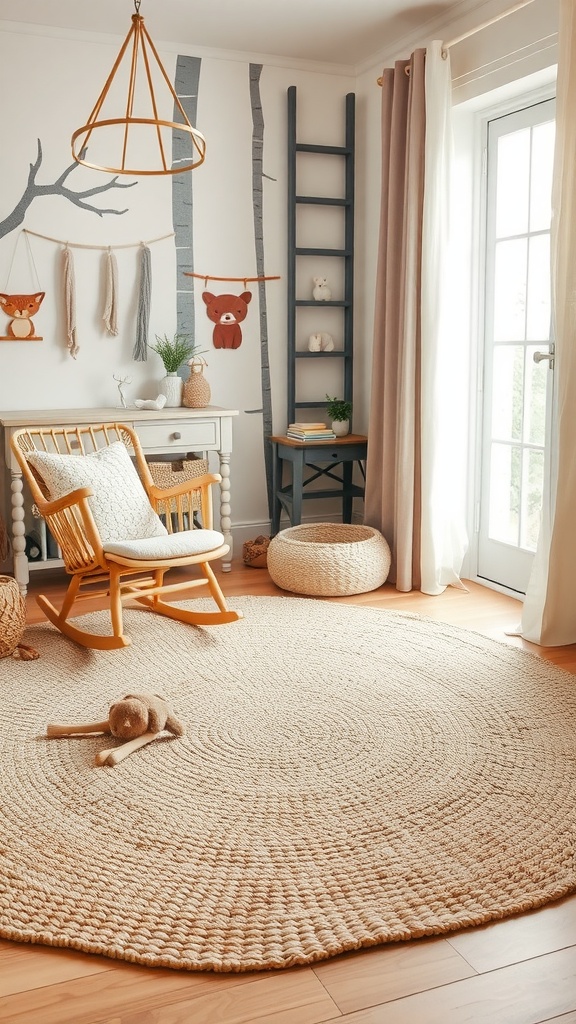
(326, 462)
(346, 202)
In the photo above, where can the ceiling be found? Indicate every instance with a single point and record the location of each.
(347, 32)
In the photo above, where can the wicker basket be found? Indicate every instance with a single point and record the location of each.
(168, 474)
(329, 559)
(255, 552)
(12, 616)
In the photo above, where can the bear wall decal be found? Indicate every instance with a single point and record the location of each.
(227, 313)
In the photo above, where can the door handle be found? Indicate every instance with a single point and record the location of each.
(539, 356)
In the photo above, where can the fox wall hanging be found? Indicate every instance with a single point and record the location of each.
(21, 309)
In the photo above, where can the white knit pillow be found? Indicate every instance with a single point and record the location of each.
(119, 504)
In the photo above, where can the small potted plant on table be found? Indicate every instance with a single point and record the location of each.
(173, 352)
(339, 412)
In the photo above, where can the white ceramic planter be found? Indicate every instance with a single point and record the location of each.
(341, 427)
(171, 385)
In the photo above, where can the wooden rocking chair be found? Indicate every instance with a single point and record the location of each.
(102, 510)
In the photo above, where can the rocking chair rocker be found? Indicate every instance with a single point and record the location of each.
(101, 510)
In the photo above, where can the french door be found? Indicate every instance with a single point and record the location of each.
(518, 349)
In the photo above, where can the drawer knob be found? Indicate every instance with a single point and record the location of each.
(176, 435)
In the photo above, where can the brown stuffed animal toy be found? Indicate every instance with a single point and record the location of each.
(138, 718)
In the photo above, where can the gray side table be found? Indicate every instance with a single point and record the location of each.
(322, 458)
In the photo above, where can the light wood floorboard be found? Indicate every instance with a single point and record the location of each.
(526, 993)
(518, 971)
(384, 973)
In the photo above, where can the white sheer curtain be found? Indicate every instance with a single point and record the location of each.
(549, 613)
(444, 362)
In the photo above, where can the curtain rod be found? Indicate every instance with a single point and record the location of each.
(479, 28)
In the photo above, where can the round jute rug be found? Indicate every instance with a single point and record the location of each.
(349, 776)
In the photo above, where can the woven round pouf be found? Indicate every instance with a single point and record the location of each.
(329, 559)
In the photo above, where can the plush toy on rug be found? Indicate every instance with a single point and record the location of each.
(138, 718)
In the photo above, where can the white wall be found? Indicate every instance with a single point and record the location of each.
(64, 75)
(65, 72)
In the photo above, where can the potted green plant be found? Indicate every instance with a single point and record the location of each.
(339, 412)
(173, 352)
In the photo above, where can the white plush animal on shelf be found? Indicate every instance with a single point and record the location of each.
(321, 291)
(320, 342)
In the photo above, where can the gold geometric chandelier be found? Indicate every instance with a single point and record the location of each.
(128, 136)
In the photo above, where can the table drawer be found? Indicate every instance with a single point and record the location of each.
(179, 435)
(344, 453)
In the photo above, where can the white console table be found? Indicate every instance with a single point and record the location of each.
(176, 431)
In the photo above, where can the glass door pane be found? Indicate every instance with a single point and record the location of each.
(517, 390)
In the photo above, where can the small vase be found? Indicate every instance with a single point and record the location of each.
(171, 385)
(197, 392)
(341, 427)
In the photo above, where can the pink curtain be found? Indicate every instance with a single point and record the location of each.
(417, 445)
(393, 494)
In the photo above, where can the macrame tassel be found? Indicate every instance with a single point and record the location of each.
(111, 298)
(70, 301)
(140, 353)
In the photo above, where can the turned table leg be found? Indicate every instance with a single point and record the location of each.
(21, 570)
(225, 520)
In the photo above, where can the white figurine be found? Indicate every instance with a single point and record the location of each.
(320, 342)
(321, 291)
(121, 382)
(150, 403)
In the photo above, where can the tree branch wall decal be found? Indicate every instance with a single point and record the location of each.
(186, 85)
(57, 188)
(257, 202)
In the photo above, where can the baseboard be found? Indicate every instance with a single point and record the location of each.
(242, 532)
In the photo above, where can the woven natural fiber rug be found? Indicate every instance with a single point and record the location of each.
(350, 776)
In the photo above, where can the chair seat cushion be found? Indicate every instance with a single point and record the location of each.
(173, 545)
(119, 505)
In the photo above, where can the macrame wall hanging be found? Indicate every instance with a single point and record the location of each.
(140, 353)
(69, 282)
(21, 307)
(227, 311)
(110, 273)
(110, 316)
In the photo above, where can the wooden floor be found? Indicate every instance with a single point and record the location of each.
(518, 971)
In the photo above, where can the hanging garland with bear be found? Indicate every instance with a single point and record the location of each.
(227, 311)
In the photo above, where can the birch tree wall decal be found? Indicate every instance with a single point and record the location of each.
(186, 82)
(57, 188)
(257, 200)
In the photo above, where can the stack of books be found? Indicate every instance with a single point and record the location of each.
(310, 432)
